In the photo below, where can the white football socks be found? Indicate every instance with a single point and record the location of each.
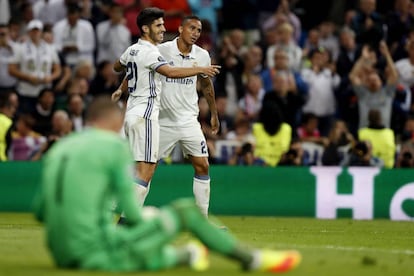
(141, 193)
(201, 190)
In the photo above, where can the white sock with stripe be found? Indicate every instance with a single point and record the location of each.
(201, 190)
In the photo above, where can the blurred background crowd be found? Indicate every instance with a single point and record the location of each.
(302, 82)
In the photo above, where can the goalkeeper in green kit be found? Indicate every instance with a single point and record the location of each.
(84, 173)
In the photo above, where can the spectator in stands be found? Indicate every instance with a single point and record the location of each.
(43, 112)
(360, 155)
(61, 126)
(80, 86)
(399, 22)
(281, 15)
(381, 138)
(174, 10)
(251, 103)
(401, 107)
(287, 43)
(281, 65)
(15, 30)
(49, 11)
(76, 111)
(272, 135)
(252, 62)
(207, 10)
(113, 37)
(367, 85)
(131, 10)
(408, 131)
(242, 132)
(405, 66)
(9, 103)
(347, 106)
(74, 37)
(229, 82)
(328, 38)
(35, 64)
(7, 82)
(60, 83)
(309, 132)
(312, 42)
(339, 139)
(368, 24)
(322, 81)
(290, 101)
(105, 81)
(25, 141)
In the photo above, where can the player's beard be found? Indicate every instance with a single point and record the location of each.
(157, 37)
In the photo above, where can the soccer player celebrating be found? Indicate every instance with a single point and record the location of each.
(144, 64)
(85, 172)
(179, 107)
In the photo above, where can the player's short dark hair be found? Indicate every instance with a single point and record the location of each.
(147, 16)
(189, 17)
(100, 107)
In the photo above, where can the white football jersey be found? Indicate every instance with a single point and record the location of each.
(144, 83)
(179, 100)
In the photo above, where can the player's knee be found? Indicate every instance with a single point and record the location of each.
(202, 167)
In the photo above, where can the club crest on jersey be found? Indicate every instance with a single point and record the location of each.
(171, 63)
(133, 52)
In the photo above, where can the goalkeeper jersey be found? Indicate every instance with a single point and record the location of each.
(83, 175)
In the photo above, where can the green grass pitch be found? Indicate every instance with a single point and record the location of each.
(329, 247)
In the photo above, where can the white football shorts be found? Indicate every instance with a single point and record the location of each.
(143, 137)
(190, 138)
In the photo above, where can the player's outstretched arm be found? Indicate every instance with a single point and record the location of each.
(183, 72)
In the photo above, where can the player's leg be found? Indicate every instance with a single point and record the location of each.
(149, 243)
(195, 147)
(223, 242)
(143, 138)
(169, 137)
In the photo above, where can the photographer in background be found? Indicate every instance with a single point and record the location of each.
(360, 155)
(339, 136)
(295, 155)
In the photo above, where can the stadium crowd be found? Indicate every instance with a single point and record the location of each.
(298, 86)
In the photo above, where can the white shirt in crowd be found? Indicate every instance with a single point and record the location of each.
(81, 35)
(321, 100)
(49, 11)
(5, 54)
(36, 61)
(143, 58)
(405, 70)
(112, 40)
(179, 100)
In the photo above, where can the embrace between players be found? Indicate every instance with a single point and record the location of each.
(78, 189)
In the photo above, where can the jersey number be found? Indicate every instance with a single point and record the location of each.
(60, 179)
(203, 147)
(132, 76)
